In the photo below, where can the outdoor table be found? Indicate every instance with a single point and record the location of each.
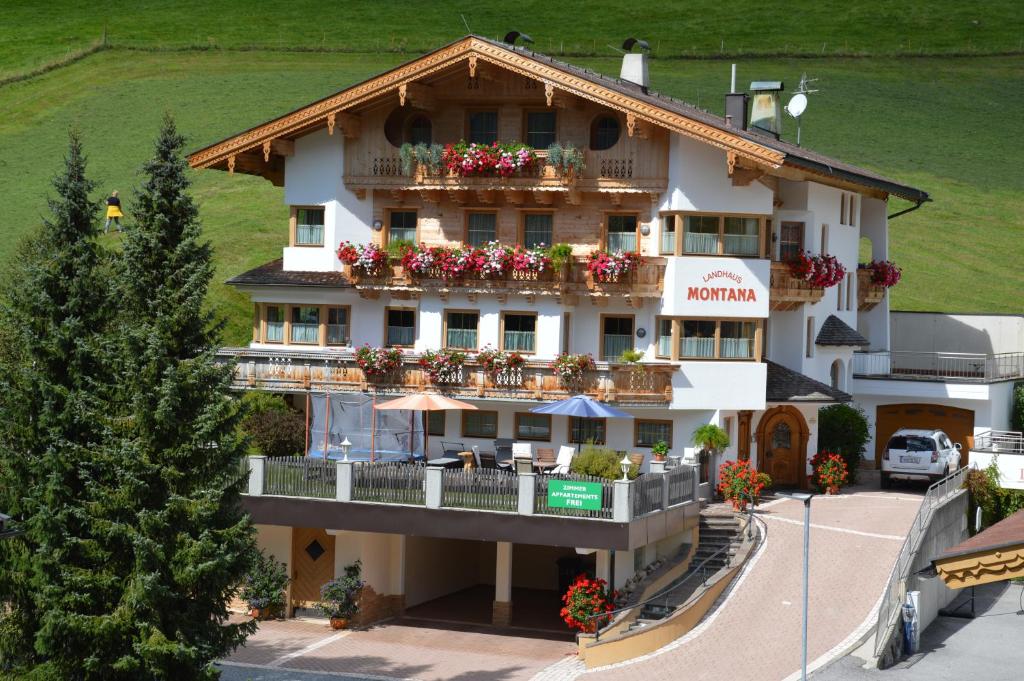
(446, 462)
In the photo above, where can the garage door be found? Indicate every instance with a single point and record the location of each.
(958, 424)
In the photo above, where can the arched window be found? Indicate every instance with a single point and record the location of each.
(604, 133)
(782, 436)
(420, 130)
(837, 374)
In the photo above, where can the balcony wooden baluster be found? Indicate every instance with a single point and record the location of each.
(789, 293)
(869, 294)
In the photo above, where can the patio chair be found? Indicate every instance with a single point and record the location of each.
(564, 460)
(450, 449)
(637, 458)
(487, 461)
(503, 449)
(545, 459)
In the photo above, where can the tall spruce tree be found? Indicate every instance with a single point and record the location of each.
(193, 542)
(54, 386)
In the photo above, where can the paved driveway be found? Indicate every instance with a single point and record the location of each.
(755, 634)
(405, 649)
(989, 647)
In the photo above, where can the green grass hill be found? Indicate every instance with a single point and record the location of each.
(947, 124)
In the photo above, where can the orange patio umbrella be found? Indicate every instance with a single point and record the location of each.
(424, 402)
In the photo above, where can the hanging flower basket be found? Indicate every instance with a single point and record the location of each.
(884, 273)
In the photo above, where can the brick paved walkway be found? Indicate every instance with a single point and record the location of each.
(756, 633)
(404, 649)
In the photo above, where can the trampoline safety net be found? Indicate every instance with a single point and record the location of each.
(375, 435)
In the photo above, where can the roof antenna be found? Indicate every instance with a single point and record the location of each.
(468, 30)
(512, 36)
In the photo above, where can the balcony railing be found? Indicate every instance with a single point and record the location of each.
(939, 366)
(486, 490)
(789, 293)
(337, 371)
(647, 281)
(999, 442)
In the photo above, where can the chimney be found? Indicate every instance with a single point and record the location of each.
(766, 110)
(634, 64)
(736, 105)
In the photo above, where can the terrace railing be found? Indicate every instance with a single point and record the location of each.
(649, 495)
(956, 367)
(288, 370)
(543, 507)
(680, 485)
(489, 490)
(388, 483)
(999, 442)
(293, 476)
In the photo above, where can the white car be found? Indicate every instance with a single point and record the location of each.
(919, 454)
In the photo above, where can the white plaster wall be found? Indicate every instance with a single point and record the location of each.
(276, 541)
(685, 273)
(719, 385)
(549, 321)
(436, 567)
(313, 177)
(698, 179)
(873, 324)
(938, 332)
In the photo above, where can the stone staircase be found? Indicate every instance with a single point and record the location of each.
(719, 540)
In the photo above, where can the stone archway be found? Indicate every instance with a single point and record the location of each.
(782, 436)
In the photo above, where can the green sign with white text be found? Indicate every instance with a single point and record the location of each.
(572, 494)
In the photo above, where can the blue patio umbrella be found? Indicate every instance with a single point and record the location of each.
(581, 405)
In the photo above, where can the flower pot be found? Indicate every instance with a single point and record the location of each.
(832, 490)
(659, 457)
(339, 623)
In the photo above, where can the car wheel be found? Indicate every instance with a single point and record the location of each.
(886, 481)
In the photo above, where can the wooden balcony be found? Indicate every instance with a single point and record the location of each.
(573, 281)
(789, 293)
(337, 371)
(605, 171)
(868, 294)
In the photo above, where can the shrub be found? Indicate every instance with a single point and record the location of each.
(273, 428)
(1017, 408)
(829, 472)
(710, 437)
(586, 598)
(264, 585)
(995, 502)
(843, 428)
(340, 597)
(560, 255)
(631, 356)
(740, 483)
(600, 462)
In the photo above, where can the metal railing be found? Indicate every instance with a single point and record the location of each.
(896, 588)
(389, 483)
(956, 366)
(484, 489)
(999, 442)
(702, 569)
(648, 495)
(300, 476)
(680, 485)
(541, 506)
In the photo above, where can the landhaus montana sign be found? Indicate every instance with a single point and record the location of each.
(572, 494)
(717, 287)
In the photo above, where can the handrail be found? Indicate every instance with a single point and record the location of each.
(999, 442)
(661, 594)
(895, 587)
(929, 365)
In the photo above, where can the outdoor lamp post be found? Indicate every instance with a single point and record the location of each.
(806, 498)
(624, 465)
(345, 446)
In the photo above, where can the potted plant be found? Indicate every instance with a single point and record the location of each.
(500, 365)
(339, 598)
(830, 472)
(443, 366)
(659, 450)
(709, 440)
(740, 483)
(378, 363)
(611, 268)
(570, 370)
(561, 256)
(263, 587)
(585, 601)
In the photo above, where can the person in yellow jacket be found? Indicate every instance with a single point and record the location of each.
(114, 213)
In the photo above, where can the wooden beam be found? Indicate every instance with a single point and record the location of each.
(351, 125)
(278, 147)
(543, 198)
(743, 177)
(457, 197)
(485, 196)
(417, 94)
(574, 197)
(431, 195)
(514, 197)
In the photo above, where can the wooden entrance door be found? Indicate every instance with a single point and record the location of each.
(312, 564)
(782, 454)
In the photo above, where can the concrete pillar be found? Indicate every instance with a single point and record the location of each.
(434, 479)
(604, 565)
(501, 610)
(344, 481)
(623, 568)
(527, 493)
(622, 501)
(257, 472)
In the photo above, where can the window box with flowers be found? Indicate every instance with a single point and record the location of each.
(464, 159)
(365, 261)
(379, 364)
(873, 279)
(571, 370)
(443, 367)
(611, 268)
(531, 264)
(503, 368)
(819, 271)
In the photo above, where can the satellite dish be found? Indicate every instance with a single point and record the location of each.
(797, 105)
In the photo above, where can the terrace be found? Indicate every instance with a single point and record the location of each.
(646, 384)
(951, 367)
(351, 494)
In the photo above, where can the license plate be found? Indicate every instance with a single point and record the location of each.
(910, 459)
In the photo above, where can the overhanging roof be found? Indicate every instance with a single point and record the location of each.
(637, 103)
(993, 555)
(785, 385)
(837, 332)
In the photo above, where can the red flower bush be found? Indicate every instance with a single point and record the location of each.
(609, 267)
(369, 259)
(739, 482)
(378, 362)
(503, 160)
(442, 366)
(497, 362)
(884, 272)
(823, 271)
(830, 472)
(585, 600)
(570, 368)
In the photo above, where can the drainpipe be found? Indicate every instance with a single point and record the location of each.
(917, 205)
